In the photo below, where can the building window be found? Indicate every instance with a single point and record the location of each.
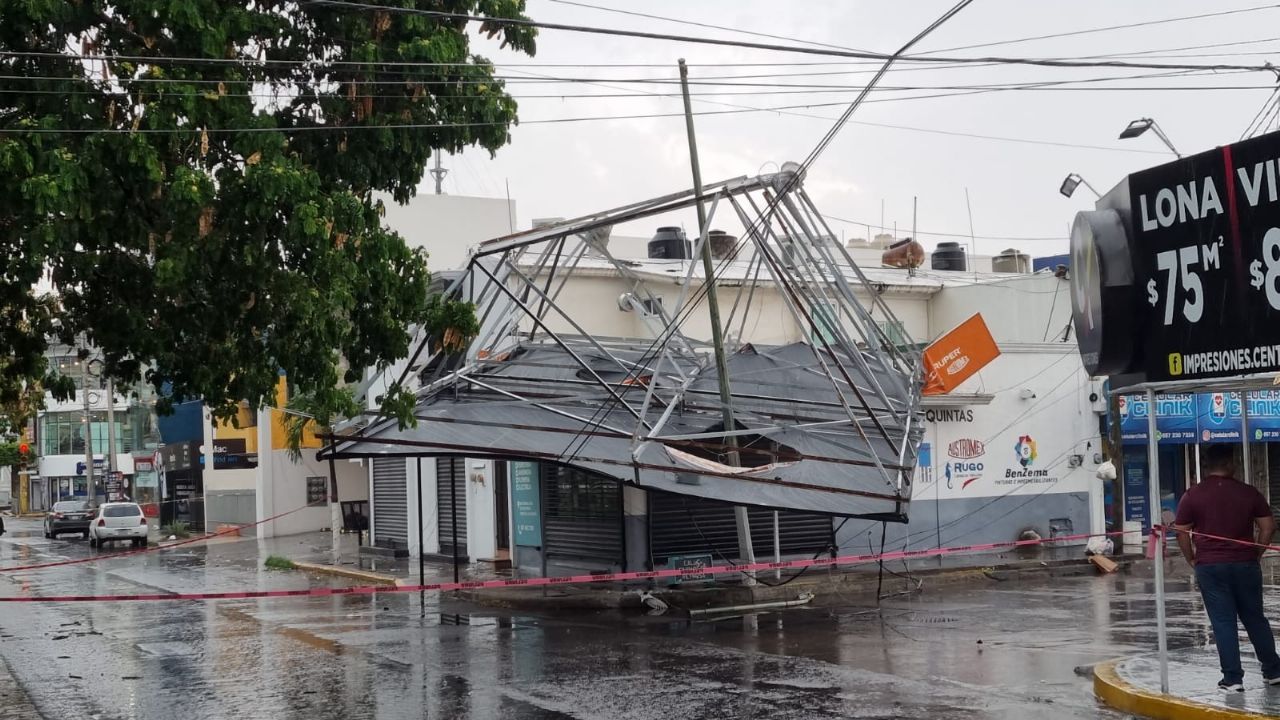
(824, 321)
(894, 331)
(63, 433)
(69, 366)
(317, 490)
(652, 306)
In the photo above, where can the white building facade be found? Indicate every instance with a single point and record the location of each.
(1014, 449)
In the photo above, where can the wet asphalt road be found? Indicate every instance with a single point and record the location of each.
(1001, 650)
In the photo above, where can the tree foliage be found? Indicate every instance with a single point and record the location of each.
(11, 454)
(194, 181)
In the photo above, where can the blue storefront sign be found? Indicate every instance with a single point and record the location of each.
(1136, 495)
(526, 504)
(1183, 419)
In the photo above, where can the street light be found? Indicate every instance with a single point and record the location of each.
(1074, 181)
(1141, 125)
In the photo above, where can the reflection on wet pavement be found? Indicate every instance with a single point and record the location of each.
(1004, 650)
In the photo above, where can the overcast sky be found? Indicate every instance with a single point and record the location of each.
(571, 169)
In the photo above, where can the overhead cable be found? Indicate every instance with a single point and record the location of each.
(1041, 62)
(1091, 31)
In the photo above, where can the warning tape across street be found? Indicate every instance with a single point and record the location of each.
(566, 580)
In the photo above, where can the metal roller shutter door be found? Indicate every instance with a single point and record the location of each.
(582, 515)
(682, 525)
(390, 505)
(451, 479)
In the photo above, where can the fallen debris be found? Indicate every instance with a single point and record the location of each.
(1104, 564)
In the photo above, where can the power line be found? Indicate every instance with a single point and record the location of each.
(1233, 43)
(1089, 31)
(1271, 99)
(1041, 62)
(704, 25)
(752, 87)
(766, 218)
(523, 78)
(550, 121)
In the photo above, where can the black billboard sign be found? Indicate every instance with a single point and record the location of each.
(1205, 244)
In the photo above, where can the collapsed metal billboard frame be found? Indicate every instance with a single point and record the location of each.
(830, 425)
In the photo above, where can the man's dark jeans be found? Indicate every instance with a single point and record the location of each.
(1232, 590)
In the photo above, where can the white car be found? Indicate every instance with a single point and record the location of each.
(117, 521)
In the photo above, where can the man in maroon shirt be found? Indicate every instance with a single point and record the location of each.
(1228, 573)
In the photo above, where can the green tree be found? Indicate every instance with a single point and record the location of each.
(190, 182)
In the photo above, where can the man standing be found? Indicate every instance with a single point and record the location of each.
(1217, 512)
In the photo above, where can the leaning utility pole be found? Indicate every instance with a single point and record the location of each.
(745, 550)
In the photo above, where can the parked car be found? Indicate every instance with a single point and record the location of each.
(118, 521)
(68, 516)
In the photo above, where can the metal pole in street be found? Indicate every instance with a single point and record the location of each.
(111, 437)
(777, 546)
(453, 510)
(88, 434)
(335, 510)
(1247, 460)
(422, 563)
(1153, 482)
(1115, 450)
(743, 521)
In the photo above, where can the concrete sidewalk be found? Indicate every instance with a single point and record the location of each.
(1133, 685)
(315, 552)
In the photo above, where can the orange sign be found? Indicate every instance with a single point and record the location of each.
(954, 357)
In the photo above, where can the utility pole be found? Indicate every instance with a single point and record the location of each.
(438, 173)
(111, 433)
(745, 550)
(88, 433)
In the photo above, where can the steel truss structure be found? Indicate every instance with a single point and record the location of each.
(829, 425)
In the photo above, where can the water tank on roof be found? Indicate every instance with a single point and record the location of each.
(669, 243)
(948, 256)
(1011, 261)
(903, 254)
(723, 245)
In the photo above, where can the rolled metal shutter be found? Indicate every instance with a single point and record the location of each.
(451, 482)
(582, 515)
(683, 525)
(390, 505)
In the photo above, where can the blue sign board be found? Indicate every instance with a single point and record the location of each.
(1135, 495)
(1183, 419)
(526, 503)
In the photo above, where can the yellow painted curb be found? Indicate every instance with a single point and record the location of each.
(363, 575)
(1118, 694)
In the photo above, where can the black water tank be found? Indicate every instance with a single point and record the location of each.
(948, 256)
(669, 243)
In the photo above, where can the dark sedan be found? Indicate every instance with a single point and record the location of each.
(68, 516)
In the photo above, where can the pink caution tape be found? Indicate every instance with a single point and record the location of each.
(544, 581)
